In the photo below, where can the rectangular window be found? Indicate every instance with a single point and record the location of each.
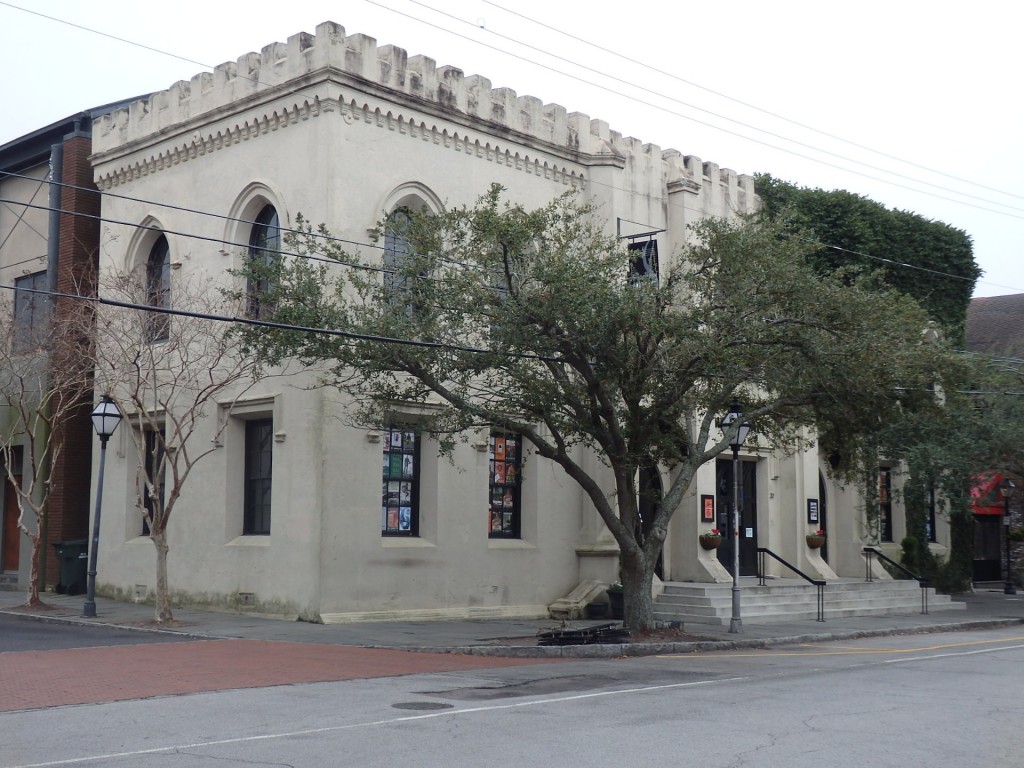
(400, 494)
(259, 455)
(31, 312)
(504, 499)
(885, 503)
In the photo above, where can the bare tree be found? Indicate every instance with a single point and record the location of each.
(166, 370)
(44, 383)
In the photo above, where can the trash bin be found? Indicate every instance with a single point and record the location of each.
(74, 561)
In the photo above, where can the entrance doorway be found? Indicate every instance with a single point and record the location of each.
(748, 515)
(823, 513)
(987, 555)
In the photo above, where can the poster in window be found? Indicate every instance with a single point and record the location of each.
(383, 518)
(405, 519)
(812, 511)
(496, 522)
(387, 441)
(410, 441)
(510, 449)
(499, 448)
(393, 493)
(405, 494)
(386, 464)
(507, 521)
(407, 465)
(508, 501)
(511, 472)
(496, 497)
(499, 472)
(392, 523)
(707, 509)
(396, 465)
(396, 441)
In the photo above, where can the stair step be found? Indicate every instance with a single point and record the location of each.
(794, 601)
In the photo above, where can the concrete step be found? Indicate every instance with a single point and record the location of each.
(794, 601)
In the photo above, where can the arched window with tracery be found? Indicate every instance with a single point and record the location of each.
(158, 290)
(264, 247)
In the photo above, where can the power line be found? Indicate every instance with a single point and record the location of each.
(742, 103)
(711, 113)
(618, 93)
(674, 113)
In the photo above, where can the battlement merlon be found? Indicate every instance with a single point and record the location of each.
(387, 67)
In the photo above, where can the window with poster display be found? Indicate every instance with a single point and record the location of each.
(401, 475)
(504, 465)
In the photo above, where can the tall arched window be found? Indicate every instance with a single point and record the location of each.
(158, 290)
(264, 246)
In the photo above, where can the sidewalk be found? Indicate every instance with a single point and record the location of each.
(986, 608)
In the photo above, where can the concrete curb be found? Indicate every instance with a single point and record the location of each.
(595, 651)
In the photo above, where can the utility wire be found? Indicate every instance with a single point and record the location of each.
(596, 85)
(711, 113)
(742, 103)
(684, 116)
(385, 270)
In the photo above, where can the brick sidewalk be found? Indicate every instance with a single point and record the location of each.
(38, 679)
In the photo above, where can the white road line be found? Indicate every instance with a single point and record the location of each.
(376, 723)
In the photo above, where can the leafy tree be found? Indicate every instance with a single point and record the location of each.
(531, 321)
(860, 233)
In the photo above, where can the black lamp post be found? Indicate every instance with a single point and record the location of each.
(105, 418)
(1006, 488)
(735, 416)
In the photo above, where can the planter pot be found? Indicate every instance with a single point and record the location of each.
(815, 541)
(710, 542)
(618, 604)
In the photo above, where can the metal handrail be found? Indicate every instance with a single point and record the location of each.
(922, 582)
(819, 583)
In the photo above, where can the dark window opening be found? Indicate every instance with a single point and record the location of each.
(259, 465)
(32, 310)
(264, 247)
(158, 290)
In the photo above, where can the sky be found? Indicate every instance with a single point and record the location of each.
(916, 104)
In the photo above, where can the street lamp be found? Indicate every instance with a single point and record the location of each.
(735, 415)
(105, 418)
(1006, 488)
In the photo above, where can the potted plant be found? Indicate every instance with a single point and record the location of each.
(816, 540)
(711, 539)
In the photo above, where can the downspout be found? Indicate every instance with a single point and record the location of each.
(52, 265)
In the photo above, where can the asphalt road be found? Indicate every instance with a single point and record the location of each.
(929, 700)
(27, 634)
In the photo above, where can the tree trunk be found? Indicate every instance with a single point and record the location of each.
(637, 579)
(163, 602)
(32, 600)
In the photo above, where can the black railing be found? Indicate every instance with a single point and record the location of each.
(922, 582)
(819, 583)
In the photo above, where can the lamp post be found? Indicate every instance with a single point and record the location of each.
(1006, 489)
(105, 418)
(735, 416)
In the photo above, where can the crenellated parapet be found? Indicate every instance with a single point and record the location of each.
(333, 72)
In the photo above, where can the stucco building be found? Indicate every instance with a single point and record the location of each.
(291, 514)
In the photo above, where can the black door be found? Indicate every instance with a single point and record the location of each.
(748, 515)
(823, 513)
(987, 557)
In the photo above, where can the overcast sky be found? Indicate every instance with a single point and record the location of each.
(927, 95)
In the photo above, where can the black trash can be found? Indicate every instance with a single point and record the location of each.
(74, 563)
